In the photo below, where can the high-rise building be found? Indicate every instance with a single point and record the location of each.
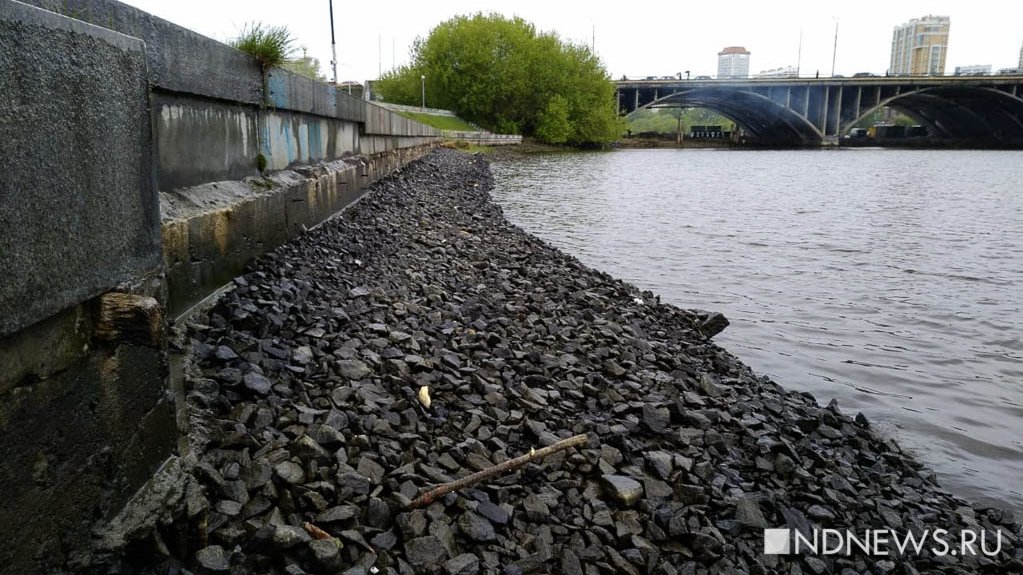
(1020, 67)
(733, 62)
(919, 47)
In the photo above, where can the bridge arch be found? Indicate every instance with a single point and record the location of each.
(978, 111)
(766, 120)
(958, 112)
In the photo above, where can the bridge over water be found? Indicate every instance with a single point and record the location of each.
(982, 111)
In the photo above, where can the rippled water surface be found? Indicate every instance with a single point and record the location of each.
(890, 280)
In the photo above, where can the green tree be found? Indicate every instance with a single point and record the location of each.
(553, 125)
(502, 74)
(665, 120)
(305, 66)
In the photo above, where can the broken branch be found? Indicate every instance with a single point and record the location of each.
(512, 464)
(316, 532)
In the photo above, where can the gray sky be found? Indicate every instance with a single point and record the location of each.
(635, 39)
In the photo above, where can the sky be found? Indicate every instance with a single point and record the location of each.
(634, 40)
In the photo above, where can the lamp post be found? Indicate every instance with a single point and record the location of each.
(333, 45)
(687, 74)
(834, 49)
(422, 79)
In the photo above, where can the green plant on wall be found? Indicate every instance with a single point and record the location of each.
(271, 46)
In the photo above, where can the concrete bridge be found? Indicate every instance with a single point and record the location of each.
(982, 111)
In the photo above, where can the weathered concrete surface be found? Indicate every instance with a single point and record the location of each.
(78, 210)
(179, 59)
(83, 423)
(381, 121)
(301, 94)
(199, 141)
(484, 138)
(75, 446)
(211, 232)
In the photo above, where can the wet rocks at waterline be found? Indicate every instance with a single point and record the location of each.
(312, 438)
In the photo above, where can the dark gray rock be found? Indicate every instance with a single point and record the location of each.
(326, 554)
(353, 369)
(624, 490)
(288, 536)
(371, 470)
(378, 514)
(290, 472)
(356, 483)
(748, 513)
(820, 513)
(661, 463)
(384, 540)
(656, 418)
(713, 324)
(535, 508)
(494, 513)
(424, 552)
(258, 383)
(464, 564)
(213, 558)
(476, 528)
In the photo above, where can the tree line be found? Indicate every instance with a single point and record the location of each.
(504, 75)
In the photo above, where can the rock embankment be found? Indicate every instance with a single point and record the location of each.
(307, 375)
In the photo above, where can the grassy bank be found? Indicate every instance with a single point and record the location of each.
(441, 122)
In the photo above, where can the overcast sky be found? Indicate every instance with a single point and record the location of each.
(636, 39)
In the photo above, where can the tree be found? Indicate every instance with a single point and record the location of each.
(553, 125)
(665, 120)
(305, 66)
(502, 74)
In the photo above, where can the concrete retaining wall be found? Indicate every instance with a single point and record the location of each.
(83, 418)
(201, 86)
(211, 232)
(416, 109)
(76, 195)
(484, 138)
(106, 129)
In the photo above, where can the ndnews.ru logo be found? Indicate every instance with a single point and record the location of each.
(881, 542)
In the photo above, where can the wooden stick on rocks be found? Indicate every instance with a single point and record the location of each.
(512, 464)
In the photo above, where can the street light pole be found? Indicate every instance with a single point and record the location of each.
(422, 79)
(333, 45)
(834, 49)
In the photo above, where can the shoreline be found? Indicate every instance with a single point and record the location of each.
(303, 384)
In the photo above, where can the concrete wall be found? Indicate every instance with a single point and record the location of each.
(116, 134)
(416, 109)
(211, 232)
(76, 194)
(484, 138)
(82, 418)
(201, 86)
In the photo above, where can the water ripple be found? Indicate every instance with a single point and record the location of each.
(890, 280)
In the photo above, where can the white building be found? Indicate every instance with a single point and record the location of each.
(783, 72)
(975, 70)
(733, 63)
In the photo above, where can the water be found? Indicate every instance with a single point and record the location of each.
(890, 280)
